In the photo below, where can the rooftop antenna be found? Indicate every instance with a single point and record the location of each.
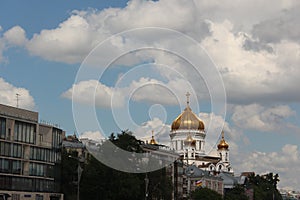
(17, 96)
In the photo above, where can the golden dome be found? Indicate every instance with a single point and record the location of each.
(223, 144)
(187, 120)
(152, 141)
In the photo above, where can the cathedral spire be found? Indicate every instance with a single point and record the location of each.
(223, 144)
(152, 141)
(188, 99)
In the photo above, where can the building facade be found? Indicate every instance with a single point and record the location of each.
(188, 139)
(30, 155)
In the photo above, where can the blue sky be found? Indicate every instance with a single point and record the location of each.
(253, 47)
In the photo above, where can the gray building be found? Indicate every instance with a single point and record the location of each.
(30, 155)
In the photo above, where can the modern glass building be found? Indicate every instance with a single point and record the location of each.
(30, 155)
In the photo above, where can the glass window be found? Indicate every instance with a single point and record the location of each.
(4, 165)
(16, 167)
(24, 132)
(2, 148)
(2, 128)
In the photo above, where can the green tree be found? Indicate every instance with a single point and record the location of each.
(265, 186)
(205, 194)
(100, 182)
(160, 185)
(69, 174)
(236, 193)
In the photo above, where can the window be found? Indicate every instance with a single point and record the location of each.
(5, 149)
(24, 132)
(4, 165)
(2, 128)
(36, 169)
(16, 150)
(56, 138)
(16, 167)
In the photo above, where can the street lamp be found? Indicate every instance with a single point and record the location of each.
(79, 172)
(146, 185)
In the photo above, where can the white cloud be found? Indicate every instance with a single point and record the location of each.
(284, 162)
(74, 38)
(160, 130)
(92, 91)
(143, 89)
(215, 124)
(283, 26)
(2, 48)
(92, 135)
(254, 75)
(15, 36)
(8, 95)
(69, 43)
(251, 73)
(257, 117)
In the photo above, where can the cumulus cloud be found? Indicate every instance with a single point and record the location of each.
(254, 75)
(284, 26)
(15, 36)
(284, 162)
(216, 124)
(8, 95)
(249, 57)
(257, 117)
(2, 48)
(92, 135)
(160, 130)
(74, 38)
(92, 91)
(251, 70)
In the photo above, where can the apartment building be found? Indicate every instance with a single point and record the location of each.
(30, 155)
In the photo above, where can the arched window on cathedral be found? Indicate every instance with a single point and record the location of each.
(226, 157)
(220, 167)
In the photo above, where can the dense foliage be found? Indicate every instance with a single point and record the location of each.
(265, 186)
(262, 187)
(205, 194)
(236, 193)
(99, 182)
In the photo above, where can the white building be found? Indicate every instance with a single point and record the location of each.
(188, 139)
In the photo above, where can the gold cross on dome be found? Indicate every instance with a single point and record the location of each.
(188, 98)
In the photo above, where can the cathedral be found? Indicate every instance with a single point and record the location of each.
(188, 139)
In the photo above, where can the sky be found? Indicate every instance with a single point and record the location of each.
(97, 67)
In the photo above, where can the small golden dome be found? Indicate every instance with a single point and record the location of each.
(152, 141)
(223, 144)
(187, 120)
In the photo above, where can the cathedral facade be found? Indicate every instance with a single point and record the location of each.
(188, 139)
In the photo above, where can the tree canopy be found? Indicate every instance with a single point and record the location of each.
(100, 182)
(205, 194)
